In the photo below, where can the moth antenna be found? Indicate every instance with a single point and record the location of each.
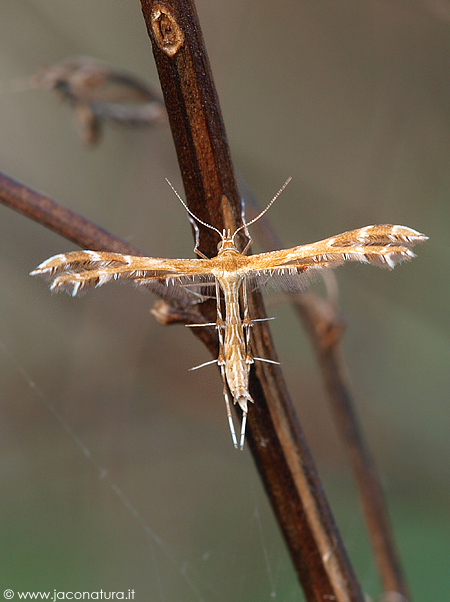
(252, 221)
(193, 214)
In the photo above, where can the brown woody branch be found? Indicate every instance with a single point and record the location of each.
(60, 219)
(275, 436)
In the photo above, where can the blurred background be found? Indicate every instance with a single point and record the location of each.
(351, 99)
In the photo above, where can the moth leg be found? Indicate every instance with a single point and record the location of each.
(201, 294)
(250, 359)
(243, 217)
(263, 359)
(204, 364)
(215, 324)
(221, 363)
(247, 246)
(247, 324)
(262, 319)
(227, 403)
(220, 326)
(247, 233)
(243, 425)
(197, 238)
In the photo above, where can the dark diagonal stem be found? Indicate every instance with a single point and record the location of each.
(275, 436)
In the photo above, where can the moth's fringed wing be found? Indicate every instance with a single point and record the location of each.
(227, 277)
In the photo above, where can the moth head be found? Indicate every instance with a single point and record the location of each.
(227, 242)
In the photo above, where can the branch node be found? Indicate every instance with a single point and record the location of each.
(167, 32)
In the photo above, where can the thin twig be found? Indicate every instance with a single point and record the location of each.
(60, 219)
(326, 338)
(99, 93)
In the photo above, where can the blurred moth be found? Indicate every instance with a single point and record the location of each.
(230, 275)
